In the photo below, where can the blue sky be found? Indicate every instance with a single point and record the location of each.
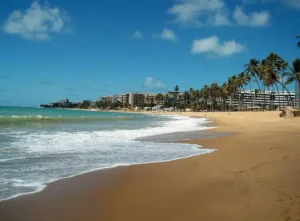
(85, 49)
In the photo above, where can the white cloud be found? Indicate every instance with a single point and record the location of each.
(37, 22)
(167, 34)
(138, 35)
(151, 83)
(292, 3)
(245, 2)
(213, 47)
(254, 19)
(216, 13)
(200, 12)
(221, 20)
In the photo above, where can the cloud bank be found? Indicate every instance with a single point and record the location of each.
(151, 83)
(214, 13)
(212, 46)
(38, 22)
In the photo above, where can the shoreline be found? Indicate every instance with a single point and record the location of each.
(45, 185)
(110, 168)
(253, 176)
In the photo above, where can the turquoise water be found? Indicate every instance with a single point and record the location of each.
(18, 116)
(38, 146)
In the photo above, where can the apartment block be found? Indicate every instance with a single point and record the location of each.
(123, 98)
(150, 98)
(106, 99)
(256, 99)
(136, 99)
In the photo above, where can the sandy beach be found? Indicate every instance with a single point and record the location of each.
(254, 175)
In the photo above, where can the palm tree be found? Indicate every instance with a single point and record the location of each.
(298, 42)
(253, 68)
(224, 93)
(176, 89)
(160, 98)
(270, 71)
(204, 94)
(214, 94)
(233, 86)
(192, 94)
(197, 95)
(272, 67)
(186, 96)
(242, 80)
(294, 76)
(176, 92)
(283, 67)
(167, 100)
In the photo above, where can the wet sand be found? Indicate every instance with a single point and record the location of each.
(254, 175)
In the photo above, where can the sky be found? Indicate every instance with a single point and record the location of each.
(55, 49)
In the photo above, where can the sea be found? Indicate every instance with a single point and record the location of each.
(39, 146)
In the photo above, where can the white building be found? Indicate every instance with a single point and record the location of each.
(248, 99)
(106, 99)
(133, 99)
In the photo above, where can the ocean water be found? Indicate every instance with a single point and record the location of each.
(39, 146)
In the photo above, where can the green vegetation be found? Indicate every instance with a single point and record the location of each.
(85, 104)
(271, 73)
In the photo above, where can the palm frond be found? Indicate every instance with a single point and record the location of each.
(284, 74)
(289, 80)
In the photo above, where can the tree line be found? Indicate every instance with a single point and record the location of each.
(272, 73)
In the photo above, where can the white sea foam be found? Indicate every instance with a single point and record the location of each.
(57, 155)
(80, 141)
(27, 184)
(12, 159)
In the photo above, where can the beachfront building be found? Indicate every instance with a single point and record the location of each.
(255, 99)
(150, 98)
(297, 89)
(136, 99)
(106, 99)
(122, 98)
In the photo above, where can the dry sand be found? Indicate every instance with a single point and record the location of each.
(254, 175)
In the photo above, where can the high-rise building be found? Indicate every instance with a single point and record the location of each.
(106, 99)
(123, 98)
(136, 99)
(256, 99)
(150, 98)
(297, 89)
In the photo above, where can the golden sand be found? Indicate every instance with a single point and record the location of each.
(254, 175)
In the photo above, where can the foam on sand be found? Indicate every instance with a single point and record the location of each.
(44, 157)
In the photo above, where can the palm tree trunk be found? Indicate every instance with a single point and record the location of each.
(277, 93)
(257, 82)
(264, 97)
(298, 94)
(284, 87)
(240, 100)
(280, 96)
(289, 95)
